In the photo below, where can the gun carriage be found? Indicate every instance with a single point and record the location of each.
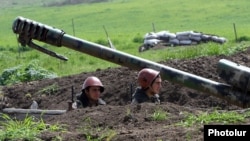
(235, 90)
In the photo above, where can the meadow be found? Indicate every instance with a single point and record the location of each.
(126, 22)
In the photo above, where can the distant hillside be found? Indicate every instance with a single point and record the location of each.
(71, 2)
(11, 3)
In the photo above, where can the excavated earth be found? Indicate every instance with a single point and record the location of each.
(128, 122)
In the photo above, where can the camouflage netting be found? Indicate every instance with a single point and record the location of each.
(167, 38)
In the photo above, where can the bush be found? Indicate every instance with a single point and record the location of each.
(243, 38)
(138, 39)
(31, 72)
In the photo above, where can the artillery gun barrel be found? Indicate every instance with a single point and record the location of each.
(28, 30)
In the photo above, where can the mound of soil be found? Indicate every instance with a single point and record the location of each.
(130, 122)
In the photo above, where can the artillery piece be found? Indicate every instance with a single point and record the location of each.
(235, 92)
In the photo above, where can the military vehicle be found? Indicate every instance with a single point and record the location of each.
(235, 90)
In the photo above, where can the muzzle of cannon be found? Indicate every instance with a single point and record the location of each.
(235, 90)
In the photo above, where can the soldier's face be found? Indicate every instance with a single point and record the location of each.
(94, 92)
(156, 86)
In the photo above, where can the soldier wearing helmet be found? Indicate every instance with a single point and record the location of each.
(149, 81)
(91, 91)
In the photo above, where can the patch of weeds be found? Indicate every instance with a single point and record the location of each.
(28, 95)
(138, 39)
(159, 115)
(128, 112)
(238, 48)
(50, 89)
(97, 133)
(243, 38)
(129, 116)
(188, 136)
(57, 138)
(102, 42)
(213, 117)
(27, 129)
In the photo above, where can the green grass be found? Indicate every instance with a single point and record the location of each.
(50, 90)
(96, 133)
(124, 20)
(159, 115)
(27, 129)
(215, 117)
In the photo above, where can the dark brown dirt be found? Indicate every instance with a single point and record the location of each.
(129, 122)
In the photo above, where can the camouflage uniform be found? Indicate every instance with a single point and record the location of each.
(83, 101)
(140, 96)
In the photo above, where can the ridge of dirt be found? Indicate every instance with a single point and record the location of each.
(175, 98)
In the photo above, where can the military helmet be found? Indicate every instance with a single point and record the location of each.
(146, 77)
(92, 81)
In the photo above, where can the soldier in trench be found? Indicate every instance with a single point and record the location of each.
(92, 89)
(150, 84)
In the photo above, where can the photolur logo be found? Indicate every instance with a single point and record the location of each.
(235, 132)
(215, 132)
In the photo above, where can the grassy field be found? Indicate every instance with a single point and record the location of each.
(124, 20)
